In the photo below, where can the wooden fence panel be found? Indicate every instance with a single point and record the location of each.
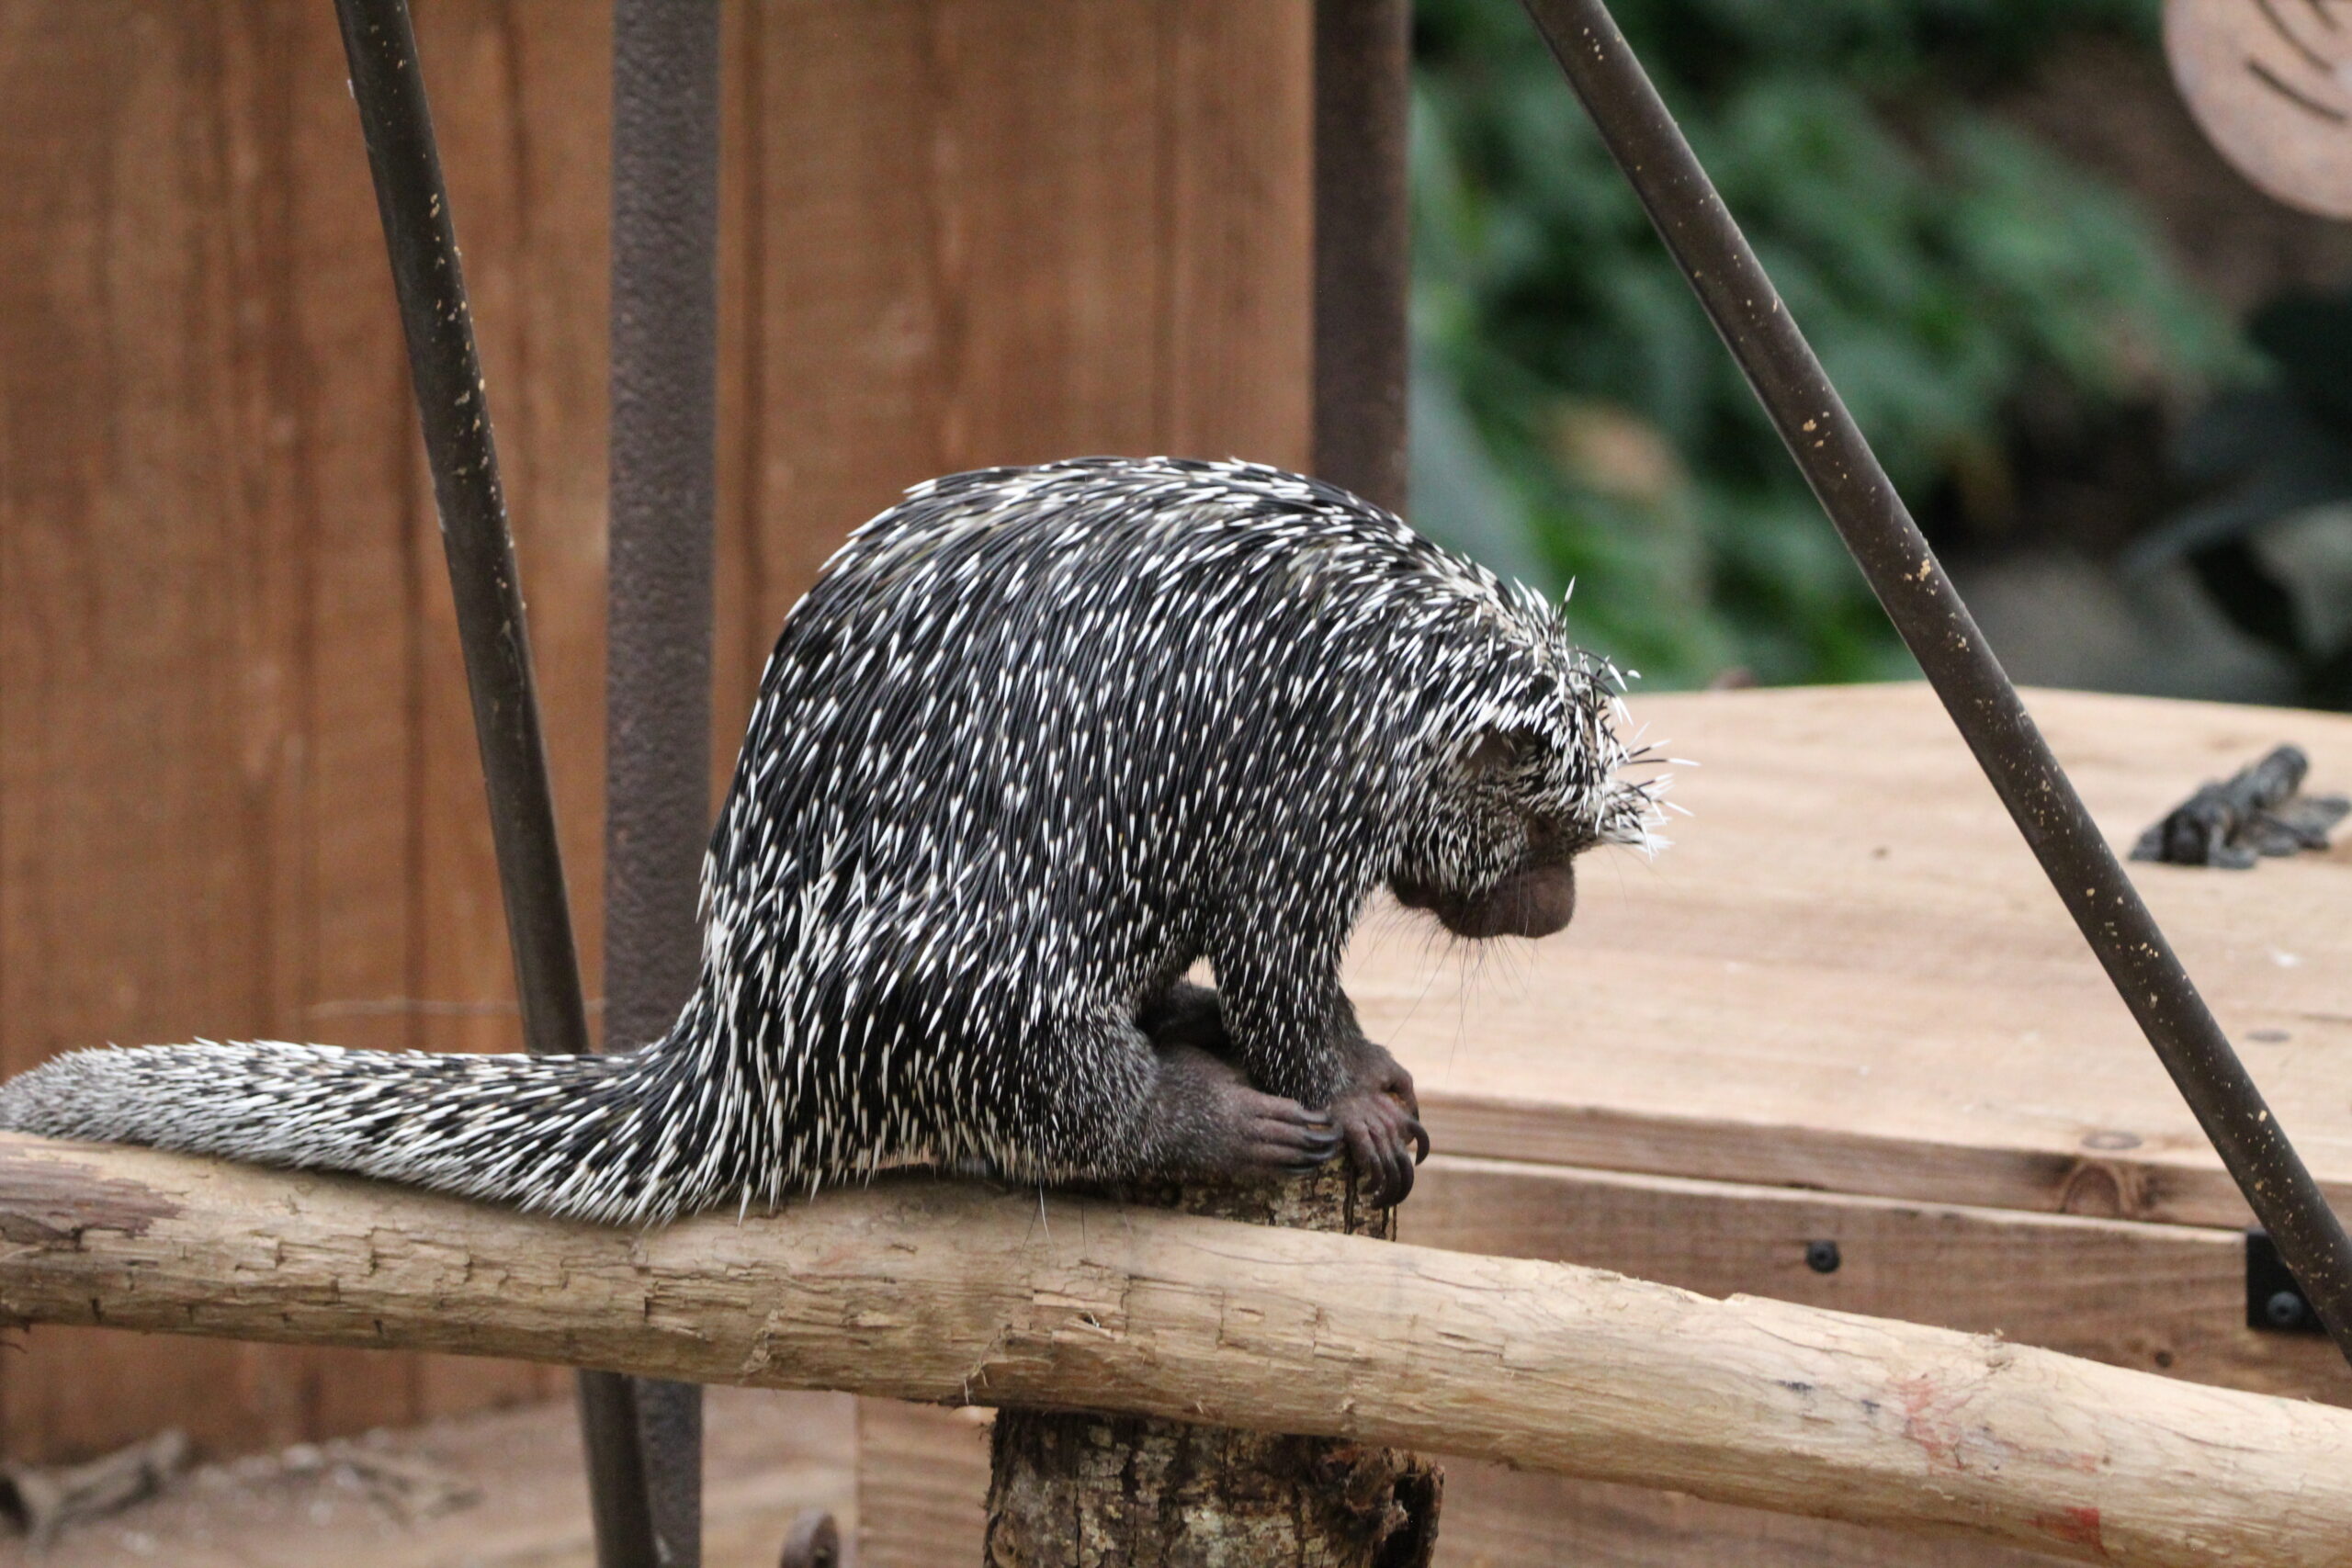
(238, 794)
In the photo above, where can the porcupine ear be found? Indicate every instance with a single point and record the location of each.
(1498, 748)
(1490, 753)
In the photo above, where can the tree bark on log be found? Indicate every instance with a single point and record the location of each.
(1072, 1489)
(947, 1292)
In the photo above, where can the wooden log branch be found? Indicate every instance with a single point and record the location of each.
(1078, 1489)
(948, 1291)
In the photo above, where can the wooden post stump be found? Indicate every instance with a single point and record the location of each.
(1077, 1490)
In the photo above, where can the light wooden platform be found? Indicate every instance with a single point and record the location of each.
(1849, 974)
(1845, 1006)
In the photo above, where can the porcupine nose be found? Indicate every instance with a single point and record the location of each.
(1534, 902)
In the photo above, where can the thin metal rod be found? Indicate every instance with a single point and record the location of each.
(620, 1502)
(1919, 598)
(379, 46)
(664, 438)
(1362, 257)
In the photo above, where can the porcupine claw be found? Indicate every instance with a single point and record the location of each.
(1286, 1135)
(1385, 1138)
(1381, 1117)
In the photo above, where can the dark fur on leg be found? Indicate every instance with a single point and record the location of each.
(1377, 1115)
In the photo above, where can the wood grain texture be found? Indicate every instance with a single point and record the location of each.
(1085, 1489)
(1499, 1518)
(922, 1469)
(2160, 1298)
(922, 1483)
(946, 1291)
(238, 794)
(1848, 973)
(1007, 230)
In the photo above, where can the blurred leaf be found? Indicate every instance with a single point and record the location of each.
(1941, 263)
(2274, 461)
(2309, 337)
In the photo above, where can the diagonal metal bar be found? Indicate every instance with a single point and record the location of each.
(1878, 529)
(379, 45)
(658, 622)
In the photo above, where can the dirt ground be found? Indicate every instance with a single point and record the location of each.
(497, 1491)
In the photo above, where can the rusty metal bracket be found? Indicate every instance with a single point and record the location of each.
(658, 622)
(1363, 252)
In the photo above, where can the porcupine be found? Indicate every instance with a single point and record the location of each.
(1037, 742)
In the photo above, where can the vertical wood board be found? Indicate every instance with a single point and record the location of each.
(238, 791)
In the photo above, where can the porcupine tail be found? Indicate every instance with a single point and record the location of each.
(600, 1138)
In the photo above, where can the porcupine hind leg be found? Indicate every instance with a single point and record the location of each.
(1377, 1113)
(1205, 1119)
(1106, 1102)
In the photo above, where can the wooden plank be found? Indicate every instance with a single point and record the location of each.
(843, 314)
(738, 643)
(2161, 1298)
(1849, 973)
(1502, 1518)
(1046, 183)
(1007, 230)
(922, 1483)
(1236, 220)
(523, 114)
(145, 715)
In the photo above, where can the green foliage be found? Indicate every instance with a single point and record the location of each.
(2272, 467)
(1576, 417)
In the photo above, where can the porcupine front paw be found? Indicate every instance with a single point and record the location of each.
(1379, 1119)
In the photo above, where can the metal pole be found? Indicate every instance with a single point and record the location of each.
(664, 478)
(379, 45)
(1362, 250)
(1845, 475)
